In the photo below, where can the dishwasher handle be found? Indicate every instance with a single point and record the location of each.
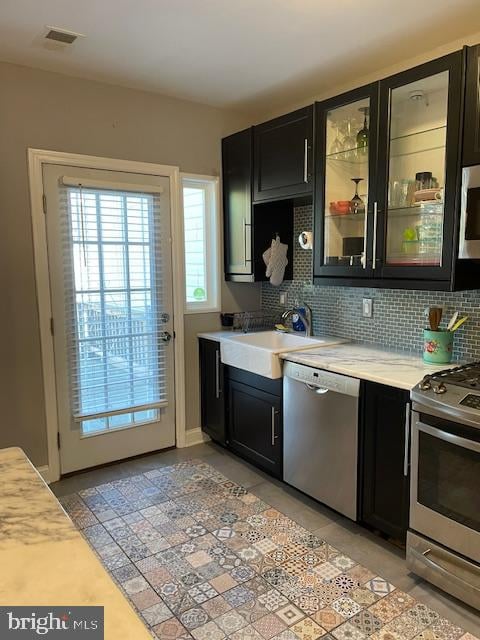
(321, 391)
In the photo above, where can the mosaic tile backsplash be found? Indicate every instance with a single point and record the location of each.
(398, 315)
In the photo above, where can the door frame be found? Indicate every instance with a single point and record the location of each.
(36, 159)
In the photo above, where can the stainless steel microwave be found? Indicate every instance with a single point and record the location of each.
(469, 242)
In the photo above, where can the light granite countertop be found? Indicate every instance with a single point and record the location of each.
(368, 362)
(44, 559)
(402, 370)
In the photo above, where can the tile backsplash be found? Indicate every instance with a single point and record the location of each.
(398, 315)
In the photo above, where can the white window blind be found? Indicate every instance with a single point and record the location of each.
(113, 293)
(201, 237)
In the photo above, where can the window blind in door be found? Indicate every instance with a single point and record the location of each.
(113, 271)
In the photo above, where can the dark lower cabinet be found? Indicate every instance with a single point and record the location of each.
(384, 471)
(255, 425)
(212, 390)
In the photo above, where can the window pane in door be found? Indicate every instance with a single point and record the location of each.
(114, 340)
(346, 184)
(418, 133)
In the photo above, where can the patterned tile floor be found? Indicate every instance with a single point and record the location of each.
(201, 557)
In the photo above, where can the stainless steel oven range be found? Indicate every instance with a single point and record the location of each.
(443, 542)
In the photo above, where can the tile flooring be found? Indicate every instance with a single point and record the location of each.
(200, 556)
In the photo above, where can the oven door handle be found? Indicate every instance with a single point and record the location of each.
(423, 558)
(449, 437)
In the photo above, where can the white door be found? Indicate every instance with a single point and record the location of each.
(109, 255)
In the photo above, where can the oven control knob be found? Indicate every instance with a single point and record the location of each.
(425, 384)
(439, 388)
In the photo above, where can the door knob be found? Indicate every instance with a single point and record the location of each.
(165, 336)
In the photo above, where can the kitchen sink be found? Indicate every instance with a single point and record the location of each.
(259, 352)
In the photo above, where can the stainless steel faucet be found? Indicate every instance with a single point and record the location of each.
(306, 317)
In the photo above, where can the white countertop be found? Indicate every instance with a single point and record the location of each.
(402, 370)
(393, 368)
(44, 559)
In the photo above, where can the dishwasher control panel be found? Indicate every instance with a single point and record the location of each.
(322, 379)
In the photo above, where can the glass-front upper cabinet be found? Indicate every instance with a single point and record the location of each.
(346, 142)
(417, 177)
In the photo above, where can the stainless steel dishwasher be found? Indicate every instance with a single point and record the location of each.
(320, 417)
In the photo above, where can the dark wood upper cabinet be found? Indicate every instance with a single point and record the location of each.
(212, 390)
(345, 157)
(237, 203)
(383, 464)
(400, 140)
(249, 228)
(283, 158)
(403, 232)
(471, 131)
(419, 135)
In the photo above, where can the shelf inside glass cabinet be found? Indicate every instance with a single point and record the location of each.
(355, 155)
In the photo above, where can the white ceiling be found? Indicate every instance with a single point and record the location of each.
(231, 53)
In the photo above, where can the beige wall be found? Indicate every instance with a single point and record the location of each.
(50, 111)
(333, 84)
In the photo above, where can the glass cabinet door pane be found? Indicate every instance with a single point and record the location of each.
(346, 184)
(415, 208)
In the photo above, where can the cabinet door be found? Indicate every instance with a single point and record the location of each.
(237, 202)
(345, 151)
(255, 426)
(420, 115)
(283, 156)
(471, 130)
(384, 501)
(212, 390)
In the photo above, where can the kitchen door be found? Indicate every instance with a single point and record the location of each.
(109, 254)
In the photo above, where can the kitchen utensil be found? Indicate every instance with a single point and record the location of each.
(452, 321)
(458, 324)
(435, 317)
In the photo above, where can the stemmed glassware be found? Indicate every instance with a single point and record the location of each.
(356, 203)
(336, 146)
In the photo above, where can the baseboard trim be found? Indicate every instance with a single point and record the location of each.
(195, 436)
(44, 471)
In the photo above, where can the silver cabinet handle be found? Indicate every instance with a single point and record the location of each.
(305, 160)
(375, 218)
(407, 440)
(274, 437)
(245, 225)
(217, 374)
(365, 232)
(244, 242)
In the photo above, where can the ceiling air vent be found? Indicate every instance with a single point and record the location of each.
(62, 35)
